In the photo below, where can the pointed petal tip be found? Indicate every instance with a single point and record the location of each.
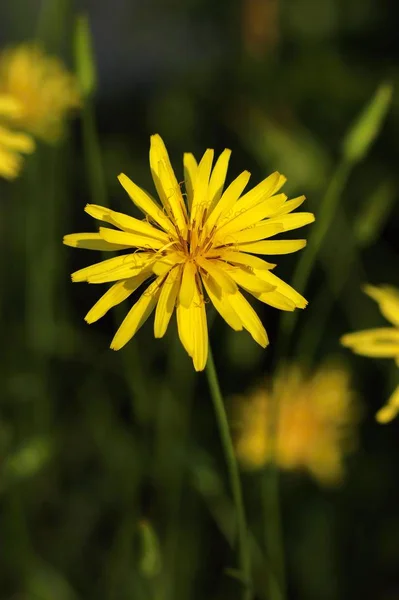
(385, 415)
(70, 240)
(303, 304)
(122, 177)
(344, 340)
(369, 289)
(199, 366)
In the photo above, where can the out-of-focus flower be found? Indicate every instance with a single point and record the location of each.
(41, 87)
(314, 415)
(204, 245)
(382, 342)
(12, 143)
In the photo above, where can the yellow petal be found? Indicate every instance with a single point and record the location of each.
(241, 258)
(134, 261)
(241, 219)
(137, 315)
(190, 176)
(378, 334)
(220, 300)
(228, 199)
(289, 206)
(125, 222)
(249, 318)
(293, 221)
(390, 410)
(218, 178)
(263, 190)
(275, 299)
(282, 287)
(172, 196)
(200, 332)
(252, 234)
(145, 203)
(379, 343)
(183, 317)
(122, 273)
(200, 198)
(133, 240)
(193, 330)
(164, 263)
(165, 181)
(378, 350)
(115, 295)
(188, 284)
(250, 281)
(10, 106)
(10, 164)
(166, 302)
(91, 241)
(18, 142)
(273, 247)
(388, 301)
(218, 272)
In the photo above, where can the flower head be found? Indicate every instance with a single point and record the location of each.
(204, 246)
(41, 87)
(382, 342)
(315, 418)
(12, 143)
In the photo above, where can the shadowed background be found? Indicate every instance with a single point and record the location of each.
(112, 479)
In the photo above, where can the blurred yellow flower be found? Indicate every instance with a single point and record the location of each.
(382, 342)
(12, 143)
(42, 88)
(315, 416)
(206, 244)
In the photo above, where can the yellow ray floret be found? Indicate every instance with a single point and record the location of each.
(303, 421)
(36, 90)
(197, 244)
(382, 342)
(12, 145)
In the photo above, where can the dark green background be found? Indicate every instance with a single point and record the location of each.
(112, 479)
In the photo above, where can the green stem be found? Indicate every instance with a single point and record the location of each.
(221, 417)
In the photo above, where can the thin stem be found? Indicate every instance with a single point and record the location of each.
(221, 417)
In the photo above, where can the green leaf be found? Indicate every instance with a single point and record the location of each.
(84, 57)
(375, 213)
(367, 126)
(150, 561)
(27, 460)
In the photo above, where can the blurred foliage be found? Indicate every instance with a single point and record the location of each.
(112, 480)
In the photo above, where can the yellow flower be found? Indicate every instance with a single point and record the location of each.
(42, 88)
(382, 342)
(204, 246)
(315, 417)
(12, 143)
